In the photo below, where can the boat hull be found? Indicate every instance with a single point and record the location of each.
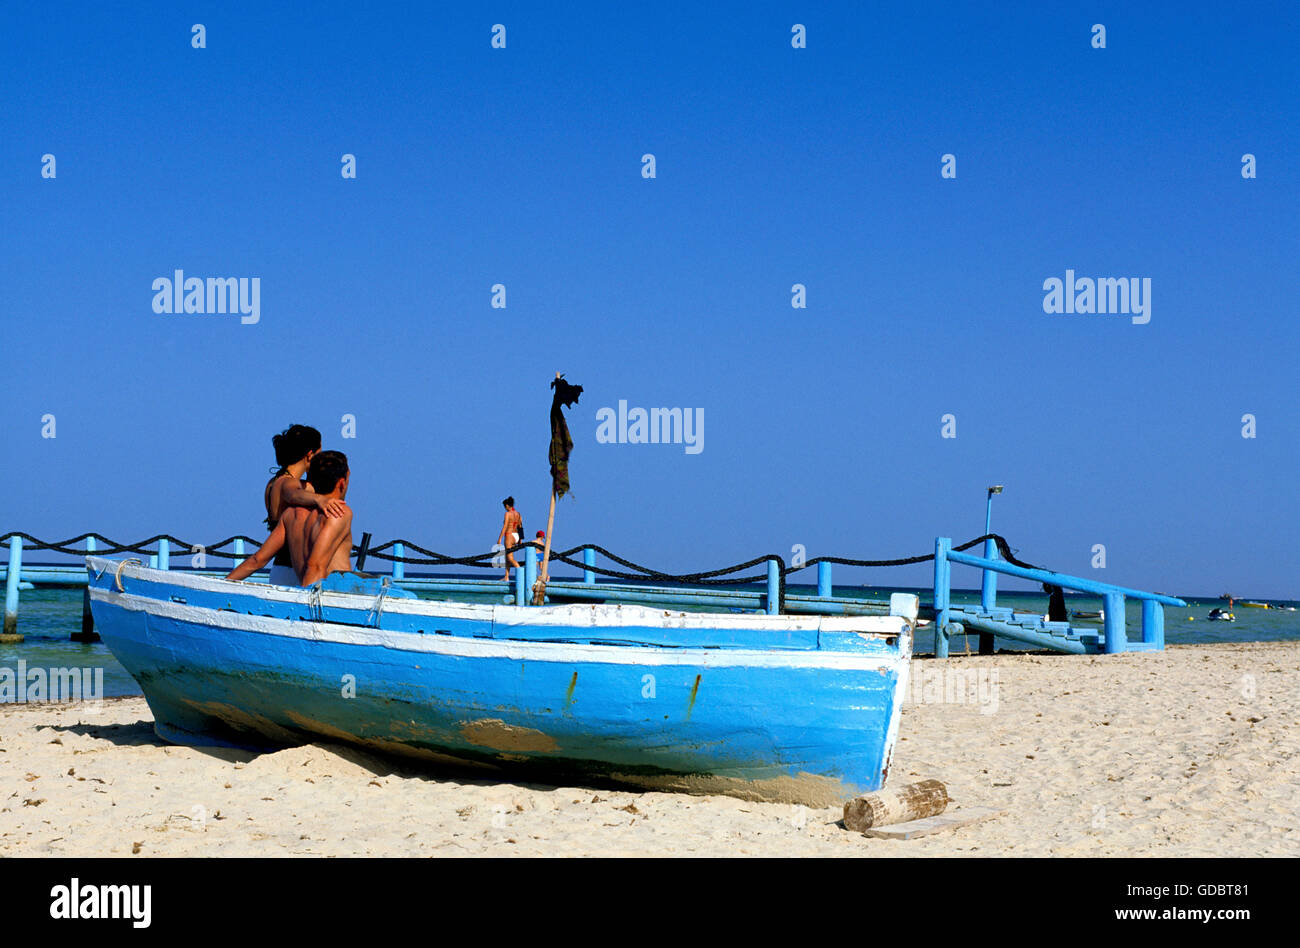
(541, 692)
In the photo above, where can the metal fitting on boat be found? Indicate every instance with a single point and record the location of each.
(117, 576)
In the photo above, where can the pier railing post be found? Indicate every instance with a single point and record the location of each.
(989, 584)
(824, 588)
(588, 559)
(521, 586)
(773, 587)
(239, 552)
(988, 595)
(1153, 623)
(10, 634)
(530, 568)
(399, 567)
(942, 581)
(1115, 630)
(164, 554)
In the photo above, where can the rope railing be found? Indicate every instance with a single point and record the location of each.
(724, 576)
(485, 560)
(66, 548)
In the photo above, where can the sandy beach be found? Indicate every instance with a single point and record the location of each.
(1190, 752)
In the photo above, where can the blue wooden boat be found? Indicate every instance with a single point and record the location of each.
(799, 709)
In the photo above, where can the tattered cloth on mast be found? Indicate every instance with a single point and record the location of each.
(561, 442)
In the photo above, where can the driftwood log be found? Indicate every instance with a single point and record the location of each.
(912, 801)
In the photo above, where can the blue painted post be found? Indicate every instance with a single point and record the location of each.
(153, 560)
(989, 579)
(164, 554)
(399, 568)
(773, 588)
(239, 552)
(988, 594)
(530, 568)
(521, 588)
(989, 584)
(942, 581)
(10, 634)
(824, 588)
(1115, 631)
(588, 559)
(1153, 623)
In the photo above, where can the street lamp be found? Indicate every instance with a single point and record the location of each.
(988, 509)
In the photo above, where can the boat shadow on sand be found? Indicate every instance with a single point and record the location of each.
(142, 734)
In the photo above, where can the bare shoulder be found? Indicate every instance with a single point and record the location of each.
(288, 482)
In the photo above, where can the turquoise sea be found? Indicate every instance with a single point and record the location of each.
(48, 617)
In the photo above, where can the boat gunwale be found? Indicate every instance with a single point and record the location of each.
(569, 615)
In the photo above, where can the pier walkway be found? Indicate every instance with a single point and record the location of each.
(714, 590)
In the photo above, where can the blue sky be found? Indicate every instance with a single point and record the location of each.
(775, 166)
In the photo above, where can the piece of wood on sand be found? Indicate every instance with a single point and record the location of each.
(912, 801)
(934, 824)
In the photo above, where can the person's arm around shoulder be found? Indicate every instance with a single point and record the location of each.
(294, 495)
(334, 531)
(263, 555)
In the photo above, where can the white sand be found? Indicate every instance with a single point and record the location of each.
(1194, 752)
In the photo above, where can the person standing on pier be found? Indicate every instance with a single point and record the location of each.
(1056, 611)
(512, 531)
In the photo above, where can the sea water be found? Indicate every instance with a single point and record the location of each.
(47, 618)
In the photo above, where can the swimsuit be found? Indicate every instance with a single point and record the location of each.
(282, 575)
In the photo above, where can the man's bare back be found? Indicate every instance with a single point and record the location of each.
(318, 545)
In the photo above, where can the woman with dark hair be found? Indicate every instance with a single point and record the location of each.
(294, 449)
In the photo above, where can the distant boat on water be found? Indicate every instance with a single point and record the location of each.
(800, 709)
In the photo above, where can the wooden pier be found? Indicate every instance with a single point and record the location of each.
(947, 620)
(989, 620)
